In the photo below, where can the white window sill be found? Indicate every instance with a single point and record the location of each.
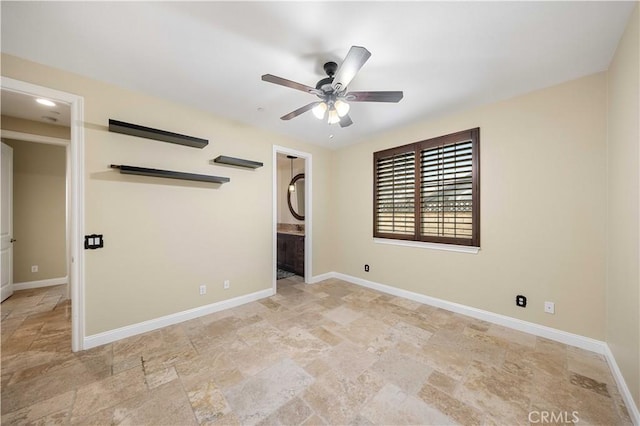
(433, 246)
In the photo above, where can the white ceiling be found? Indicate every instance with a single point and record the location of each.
(445, 56)
(20, 105)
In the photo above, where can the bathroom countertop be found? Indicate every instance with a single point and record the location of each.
(299, 233)
(291, 229)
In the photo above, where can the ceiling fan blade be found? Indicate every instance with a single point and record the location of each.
(299, 111)
(292, 84)
(352, 63)
(374, 96)
(345, 121)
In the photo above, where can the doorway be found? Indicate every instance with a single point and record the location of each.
(39, 209)
(75, 176)
(292, 215)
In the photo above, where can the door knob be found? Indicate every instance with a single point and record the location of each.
(13, 239)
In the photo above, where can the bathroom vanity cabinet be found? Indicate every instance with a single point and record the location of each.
(291, 252)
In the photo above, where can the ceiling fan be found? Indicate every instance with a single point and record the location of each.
(332, 90)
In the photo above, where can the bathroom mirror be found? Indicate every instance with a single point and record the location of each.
(295, 199)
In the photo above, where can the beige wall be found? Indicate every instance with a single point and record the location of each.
(39, 211)
(623, 202)
(35, 128)
(165, 238)
(542, 211)
(284, 177)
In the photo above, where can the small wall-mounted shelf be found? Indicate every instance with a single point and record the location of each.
(159, 135)
(132, 170)
(223, 159)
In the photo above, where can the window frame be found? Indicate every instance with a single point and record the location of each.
(417, 147)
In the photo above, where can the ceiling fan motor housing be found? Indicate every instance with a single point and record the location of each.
(325, 84)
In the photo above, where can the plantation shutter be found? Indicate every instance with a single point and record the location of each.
(447, 190)
(395, 193)
(429, 191)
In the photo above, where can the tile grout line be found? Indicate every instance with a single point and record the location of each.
(73, 403)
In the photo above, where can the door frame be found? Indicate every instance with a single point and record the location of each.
(75, 216)
(9, 198)
(308, 212)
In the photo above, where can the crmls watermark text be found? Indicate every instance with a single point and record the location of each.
(543, 416)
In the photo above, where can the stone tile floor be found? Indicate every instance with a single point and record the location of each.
(330, 353)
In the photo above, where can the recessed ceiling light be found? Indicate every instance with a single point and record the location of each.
(45, 102)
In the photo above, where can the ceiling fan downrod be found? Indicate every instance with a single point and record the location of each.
(325, 84)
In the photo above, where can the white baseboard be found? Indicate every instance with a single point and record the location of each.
(632, 408)
(517, 324)
(577, 340)
(41, 283)
(317, 278)
(156, 323)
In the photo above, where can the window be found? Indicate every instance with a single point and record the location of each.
(429, 191)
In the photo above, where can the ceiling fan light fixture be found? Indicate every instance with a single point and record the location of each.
(342, 108)
(333, 116)
(320, 110)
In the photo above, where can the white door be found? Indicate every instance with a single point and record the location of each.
(6, 218)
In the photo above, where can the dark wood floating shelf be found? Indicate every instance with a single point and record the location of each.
(223, 159)
(132, 170)
(159, 135)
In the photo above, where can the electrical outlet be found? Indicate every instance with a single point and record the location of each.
(550, 307)
(203, 290)
(34, 268)
(226, 284)
(521, 301)
(366, 268)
